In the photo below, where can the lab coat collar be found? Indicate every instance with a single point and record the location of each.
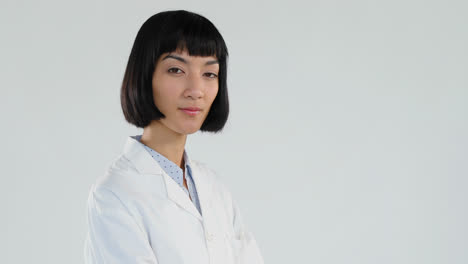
(135, 152)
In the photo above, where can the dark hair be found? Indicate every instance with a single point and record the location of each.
(164, 32)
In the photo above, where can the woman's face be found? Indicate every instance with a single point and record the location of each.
(181, 81)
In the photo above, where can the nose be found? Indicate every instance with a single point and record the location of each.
(194, 87)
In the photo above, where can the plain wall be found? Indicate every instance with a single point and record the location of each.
(347, 140)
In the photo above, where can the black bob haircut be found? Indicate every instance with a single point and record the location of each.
(164, 32)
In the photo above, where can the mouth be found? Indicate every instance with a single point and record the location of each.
(192, 111)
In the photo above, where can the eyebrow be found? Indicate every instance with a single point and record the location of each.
(186, 62)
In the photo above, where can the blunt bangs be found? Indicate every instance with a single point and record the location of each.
(165, 32)
(193, 33)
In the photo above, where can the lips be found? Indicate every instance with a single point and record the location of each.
(191, 111)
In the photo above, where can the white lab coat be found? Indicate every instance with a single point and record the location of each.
(139, 214)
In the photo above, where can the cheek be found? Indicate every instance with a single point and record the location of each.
(212, 92)
(165, 94)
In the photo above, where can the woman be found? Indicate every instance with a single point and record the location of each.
(155, 204)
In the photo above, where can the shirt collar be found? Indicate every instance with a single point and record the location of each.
(187, 161)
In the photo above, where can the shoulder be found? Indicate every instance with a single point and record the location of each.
(118, 172)
(213, 176)
(203, 168)
(207, 171)
(120, 180)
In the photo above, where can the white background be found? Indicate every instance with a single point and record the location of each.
(347, 140)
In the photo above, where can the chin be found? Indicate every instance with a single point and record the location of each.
(189, 130)
(192, 132)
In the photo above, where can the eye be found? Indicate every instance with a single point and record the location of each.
(211, 75)
(174, 70)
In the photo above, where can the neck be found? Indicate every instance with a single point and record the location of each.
(165, 141)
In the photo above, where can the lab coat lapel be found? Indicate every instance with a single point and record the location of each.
(204, 188)
(145, 164)
(176, 194)
(211, 209)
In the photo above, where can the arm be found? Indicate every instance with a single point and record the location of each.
(113, 234)
(245, 244)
